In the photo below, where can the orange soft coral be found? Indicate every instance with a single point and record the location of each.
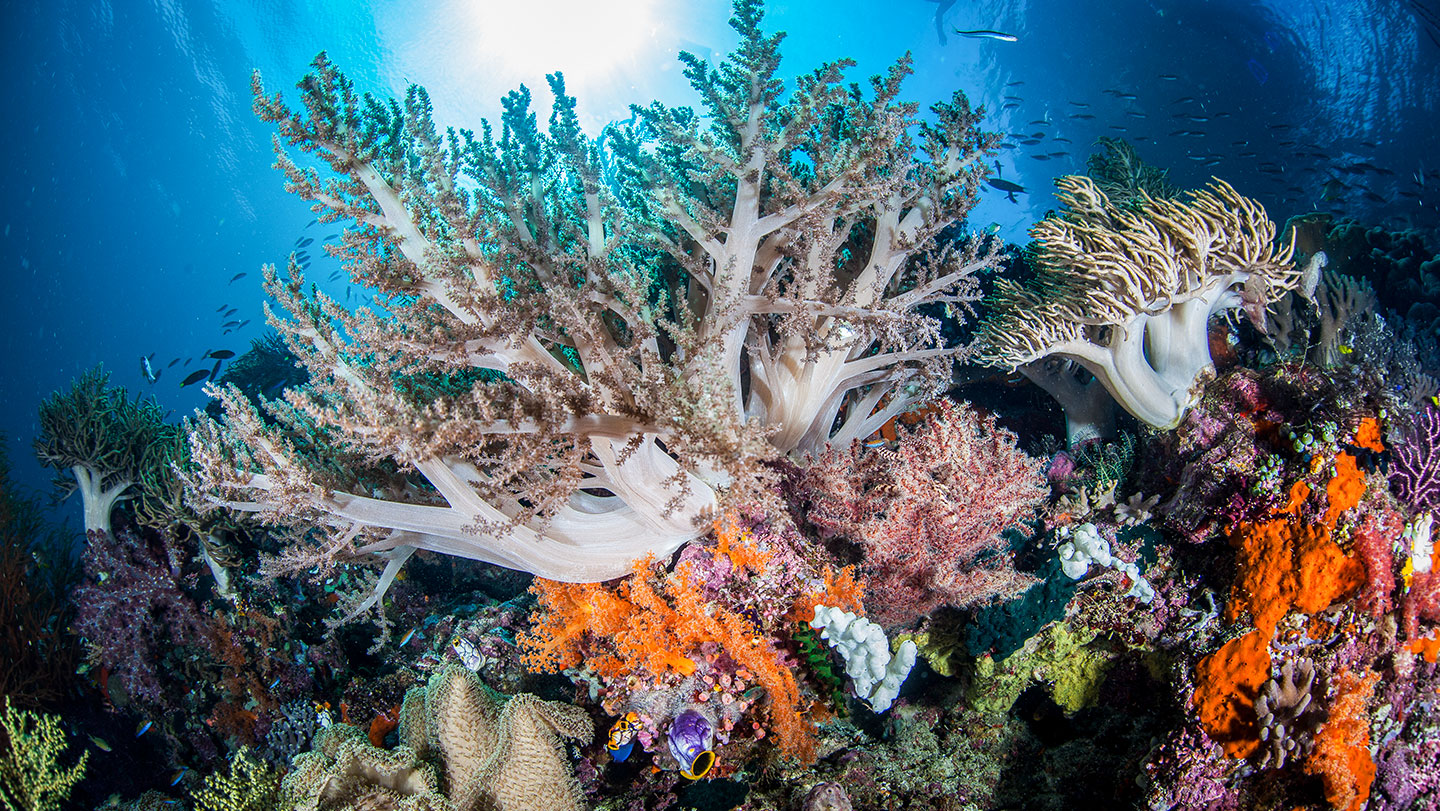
(651, 625)
(1341, 755)
(1227, 682)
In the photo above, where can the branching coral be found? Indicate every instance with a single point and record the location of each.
(31, 777)
(1342, 754)
(1127, 292)
(929, 514)
(94, 432)
(590, 344)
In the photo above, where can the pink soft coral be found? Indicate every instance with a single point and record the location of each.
(929, 512)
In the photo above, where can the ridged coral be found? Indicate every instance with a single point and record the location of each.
(505, 754)
(345, 773)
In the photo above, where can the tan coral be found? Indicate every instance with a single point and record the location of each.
(498, 753)
(344, 772)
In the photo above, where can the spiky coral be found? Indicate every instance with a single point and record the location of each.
(31, 777)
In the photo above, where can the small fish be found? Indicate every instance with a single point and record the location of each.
(331, 236)
(237, 277)
(987, 34)
(469, 655)
(230, 312)
(1183, 100)
(301, 243)
(274, 684)
(1168, 77)
(242, 324)
(1058, 154)
(1134, 114)
(1061, 140)
(143, 728)
(230, 324)
(178, 776)
(409, 635)
(1013, 98)
(221, 308)
(147, 370)
(1014, 84)
(172, 363)
(220, 354)
(621, 740)
(1281, 126)
(1041, 157)
(100, 744)
(1082, 116)
(186, 363)
(1030, 141)
(1079, 103)
(195, 377)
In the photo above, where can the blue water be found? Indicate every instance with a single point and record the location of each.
(137, 183)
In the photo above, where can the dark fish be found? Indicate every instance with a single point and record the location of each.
(172, 363)
(1082, 116)
(1057, 154)
(312, 222)
(1169, 77)
(221, 354)
(231, 311)
(1079, 103)
(1183, 100)
(1281, 126)
(301, 243)
(1030, 141)
(330, 237)
(222, 308)
(1117, 127)
(1013, 84)
(1009, 105)
(1134, 114)
(335, 275)
(187, 362)
(1013, 98)
(215, 373)
(242, 324)
(1006, 186)
(987, 34)
(1007, 146)
(230, 324)
(1041, 157)
(195, 377)
(1040, 122)
(1061, 140)
(237, 277)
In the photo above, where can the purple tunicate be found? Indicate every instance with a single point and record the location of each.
(691, 738)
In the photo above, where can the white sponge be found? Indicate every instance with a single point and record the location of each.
(1084, 546)
(876, 674)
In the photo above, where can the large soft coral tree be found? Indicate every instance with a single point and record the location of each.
(1126, 293)
(587, 345)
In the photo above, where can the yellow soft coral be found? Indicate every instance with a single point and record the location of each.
(30, 773)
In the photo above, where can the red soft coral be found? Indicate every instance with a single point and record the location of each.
(929, 512)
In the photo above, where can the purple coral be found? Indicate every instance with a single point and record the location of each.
(134, 612)
(1415, 467)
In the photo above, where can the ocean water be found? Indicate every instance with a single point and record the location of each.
(140, 204)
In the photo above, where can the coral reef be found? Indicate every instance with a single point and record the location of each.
(31, 775)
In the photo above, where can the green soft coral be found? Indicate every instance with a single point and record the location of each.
(250, 785)
(102, 437)
(31, 777)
